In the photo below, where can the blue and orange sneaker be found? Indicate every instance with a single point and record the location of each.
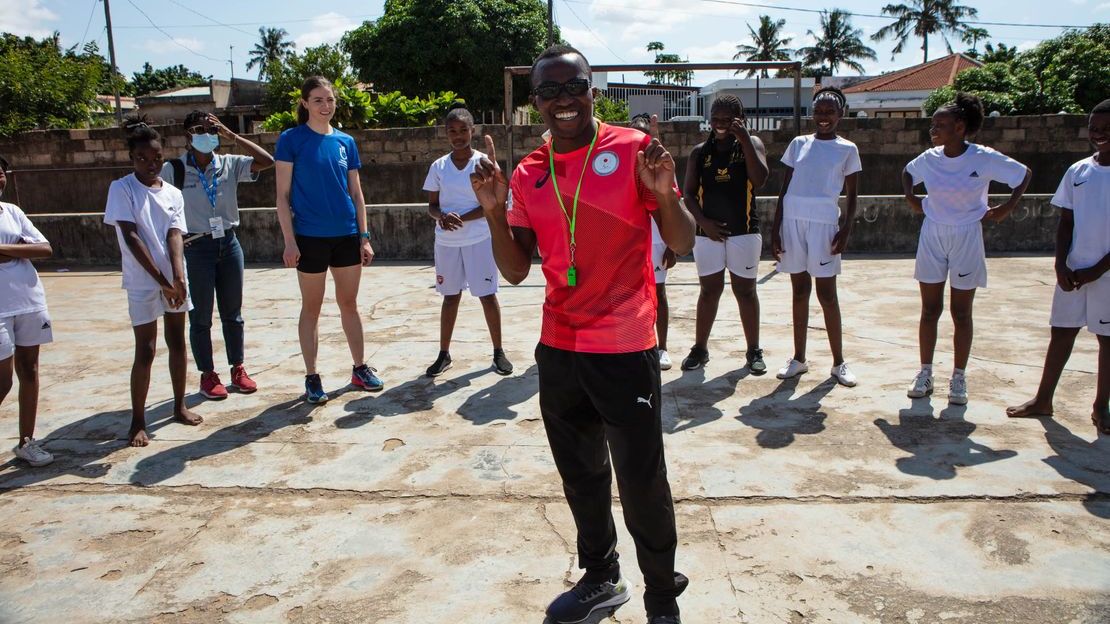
(364, 377)
(314, 390)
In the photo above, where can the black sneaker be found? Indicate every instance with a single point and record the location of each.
(443, 362)
(755, 362)
(588, 602)
(664, 619)
(501, 364)
(697, 359)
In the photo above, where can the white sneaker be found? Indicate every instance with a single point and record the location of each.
(957, 390)
(793, 368)
(32, 453)
(843, 375)
(664, 361)
(922, 385)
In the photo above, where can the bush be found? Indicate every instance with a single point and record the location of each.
(358, 109)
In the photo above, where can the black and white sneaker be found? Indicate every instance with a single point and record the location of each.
(501, 364)
(442, 363)
(588, 602)
(697, 359)
(755, 362)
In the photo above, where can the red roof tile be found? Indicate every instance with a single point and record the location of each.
(924, 77)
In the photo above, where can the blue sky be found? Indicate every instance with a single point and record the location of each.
(608, 31)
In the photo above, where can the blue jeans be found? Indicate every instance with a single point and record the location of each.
(215, 270)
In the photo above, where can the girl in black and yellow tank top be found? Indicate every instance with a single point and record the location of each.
(721, 177)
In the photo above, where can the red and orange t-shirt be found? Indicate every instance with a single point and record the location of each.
(612, 307)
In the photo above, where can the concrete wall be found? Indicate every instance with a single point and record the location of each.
(65, 171)
(404, 231)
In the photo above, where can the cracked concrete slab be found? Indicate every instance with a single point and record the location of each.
(437, 500)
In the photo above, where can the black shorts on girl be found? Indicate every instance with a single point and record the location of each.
(320, 252)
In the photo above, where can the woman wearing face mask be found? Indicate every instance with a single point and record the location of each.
(214, 260)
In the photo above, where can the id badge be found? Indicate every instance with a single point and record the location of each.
(216, 227)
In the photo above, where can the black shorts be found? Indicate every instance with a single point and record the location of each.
(320, 252)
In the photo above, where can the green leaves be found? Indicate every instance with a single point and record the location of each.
(358, 109)
(43, 86)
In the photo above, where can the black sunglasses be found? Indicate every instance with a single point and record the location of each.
(551, 90)
(198, 129)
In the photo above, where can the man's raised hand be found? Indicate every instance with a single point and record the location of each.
(488, 181)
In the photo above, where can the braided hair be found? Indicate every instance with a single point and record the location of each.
(138, 131)
(967, 108)
(735, 107)
(459, 112)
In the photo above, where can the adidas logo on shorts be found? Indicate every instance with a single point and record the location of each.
(46, 325)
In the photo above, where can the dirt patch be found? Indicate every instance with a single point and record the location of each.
(993, 536)
(260, 601)
(111, 575)
(392, 444)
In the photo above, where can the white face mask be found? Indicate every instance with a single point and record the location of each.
(205, 143)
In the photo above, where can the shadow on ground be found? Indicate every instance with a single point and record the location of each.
(781, 418)
(937, 446)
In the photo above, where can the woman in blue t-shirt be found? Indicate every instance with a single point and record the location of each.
(318, 191)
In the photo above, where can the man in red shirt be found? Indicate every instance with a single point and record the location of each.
(584, 200)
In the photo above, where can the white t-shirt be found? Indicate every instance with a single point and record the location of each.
(21, 290)
(656, 237)
(957, 187)
(456, 195)
(154, 211)
(1085, 190)
(820, 167)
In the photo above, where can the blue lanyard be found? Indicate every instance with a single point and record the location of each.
(213, 191)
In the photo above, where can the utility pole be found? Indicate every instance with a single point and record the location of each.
(550, 23)
(112, 59)
(231, 60)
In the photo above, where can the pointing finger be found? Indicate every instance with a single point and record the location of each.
(654, 126)
(491, 151)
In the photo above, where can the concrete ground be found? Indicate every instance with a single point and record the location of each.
(437, 501)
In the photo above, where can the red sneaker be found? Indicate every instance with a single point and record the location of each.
(241, 380)
(211, 387)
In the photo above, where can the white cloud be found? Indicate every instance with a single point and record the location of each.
(715, 53)
(326, 28)
(163, 45)
(26, 18)
(1105, 6)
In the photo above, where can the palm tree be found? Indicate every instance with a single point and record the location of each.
(270, 50)
(839, 44)
(921, 18)
(972, 36)
(768, 44)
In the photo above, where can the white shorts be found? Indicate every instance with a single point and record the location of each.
(739, 254)
(24, 330)
(1089, 307)
(470, 266)
(951, 252)
(657, 252)
(147, 306)
(807, 247)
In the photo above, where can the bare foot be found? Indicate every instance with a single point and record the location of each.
(1030, 409)
(186, 417)
(1100, 416)
(139, 438)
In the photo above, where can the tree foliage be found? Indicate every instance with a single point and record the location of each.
(287, 74)
(44, 86)
(359, 109)
(271, 48)
(422, 46)
(152, 80)
(1067, 73)
(767, 44)
(669, 77)
(921, 18)
(837, 44)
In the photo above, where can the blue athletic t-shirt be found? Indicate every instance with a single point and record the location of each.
(319, 194)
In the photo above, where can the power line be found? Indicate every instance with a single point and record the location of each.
(170, 37)
(92, 11)
(216, 22)
(602, 41)
(233, 24)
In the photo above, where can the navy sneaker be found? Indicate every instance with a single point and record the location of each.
(440, 366)
(364, 377)
(501, 364)
(588, 602)
(314, 389)
(697, 359)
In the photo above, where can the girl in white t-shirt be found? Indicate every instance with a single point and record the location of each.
(1082, 297)
(810, 233)
(149, 216)
(956, 175)
(24, 320)
(463, 249)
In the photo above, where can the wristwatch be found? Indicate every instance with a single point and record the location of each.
(365, 235)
